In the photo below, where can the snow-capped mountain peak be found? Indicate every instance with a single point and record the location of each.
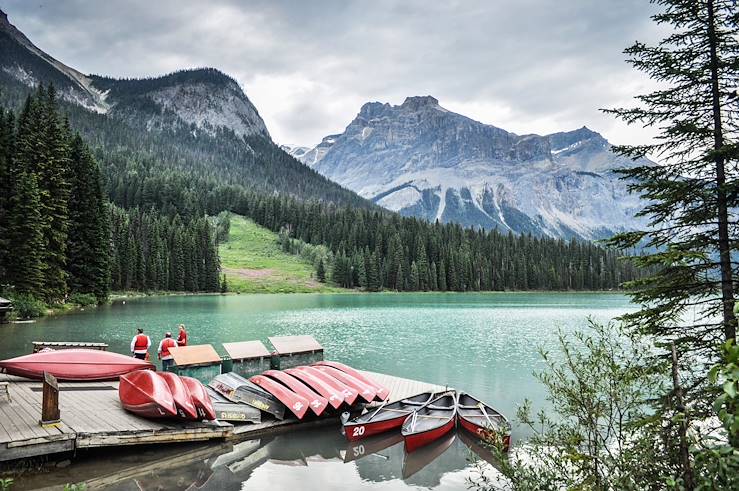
(420, 159)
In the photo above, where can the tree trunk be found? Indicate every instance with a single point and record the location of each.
(688, 481)
(727, 287)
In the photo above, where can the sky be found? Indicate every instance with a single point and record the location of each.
(527, 66)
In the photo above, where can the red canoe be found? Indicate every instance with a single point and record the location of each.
(482, 420)
(317, 403)
(350, 395)
(294, 402)
(74, 365)
(385, 418)
(366, 391)
(181, 395)
(332, 394)
(145, 393)
(382, 392)
(200, 398)
(431, 422)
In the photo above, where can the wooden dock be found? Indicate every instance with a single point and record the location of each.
(91, 416)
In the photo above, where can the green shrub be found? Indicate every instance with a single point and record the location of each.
(6, 484)
(83, 299)
(26, 306)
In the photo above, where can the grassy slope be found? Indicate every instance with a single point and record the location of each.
(254, 263)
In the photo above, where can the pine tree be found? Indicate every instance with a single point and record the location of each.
(321, 271)
(88, 241)
(413, 278)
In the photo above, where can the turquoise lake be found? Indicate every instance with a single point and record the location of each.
(485, 344)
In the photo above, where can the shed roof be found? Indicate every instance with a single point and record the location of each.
(246, 349)
(295, 344)
(197, 354)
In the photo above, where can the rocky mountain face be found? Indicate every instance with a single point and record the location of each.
(422, 160)
(203, 100)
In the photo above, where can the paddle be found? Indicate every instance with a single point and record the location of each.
(482, 408)
(378, 410)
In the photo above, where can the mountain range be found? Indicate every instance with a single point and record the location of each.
(420, 159)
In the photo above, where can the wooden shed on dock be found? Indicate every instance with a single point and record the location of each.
(248, 358)
(293, 351)
(200, 361)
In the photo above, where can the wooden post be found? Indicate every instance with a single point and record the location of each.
(50, 404)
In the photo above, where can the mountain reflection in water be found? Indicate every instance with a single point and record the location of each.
(319, 458)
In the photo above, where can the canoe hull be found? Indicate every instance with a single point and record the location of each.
(349, 394)
(226, 410)
(200, 398)
(334, 397)
(415, 441)
(181, 395)
(484, 433)
(365, 391)
(382, 393)
(238, 389)
(317, 403)
(296, 403)
(74, 365)
(358, 431)
(146, 394)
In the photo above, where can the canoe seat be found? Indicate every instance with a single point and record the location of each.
(412, 403)
(5, 388)
(443, 408)
(468, 407)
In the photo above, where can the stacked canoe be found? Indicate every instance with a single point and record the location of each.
(165, 395)
(315, 390)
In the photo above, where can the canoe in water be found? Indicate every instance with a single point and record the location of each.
(181, 395)
(482, 420)
(385, 418)
(200, 398)
(431, 422)
(74, 365)
(146, 394)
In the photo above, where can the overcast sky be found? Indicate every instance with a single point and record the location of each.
(528, 66)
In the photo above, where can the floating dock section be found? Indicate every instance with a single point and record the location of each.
(92, 417)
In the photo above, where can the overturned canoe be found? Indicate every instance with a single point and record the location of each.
(317, 403)
(238, 389)
(294, 402)
(145, 393)
(74, 365)
(385, 418)
(366, 392)
(331, 393)
(348, 393)
(237, 412)
(382, 392)
(200, 398)
(431, 422)
(181, 395)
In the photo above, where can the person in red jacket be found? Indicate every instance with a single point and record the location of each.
(182, 336)
(140, 345)
(164, 354)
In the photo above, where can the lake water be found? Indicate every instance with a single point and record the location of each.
(485, 344)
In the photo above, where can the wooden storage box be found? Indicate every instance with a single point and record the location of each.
(248, 358)
(293, 351)
(198, 361)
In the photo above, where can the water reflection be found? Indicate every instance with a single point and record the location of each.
(318, 458)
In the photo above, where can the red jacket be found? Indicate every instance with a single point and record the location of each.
(164, 348)
(182, 338)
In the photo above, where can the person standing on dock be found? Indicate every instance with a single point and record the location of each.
(182, 336)
(140, 345)
(163, 350)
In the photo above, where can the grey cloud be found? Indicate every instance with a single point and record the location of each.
(527, 66)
